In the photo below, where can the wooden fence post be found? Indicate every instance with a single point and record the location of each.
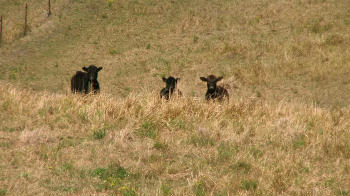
(26, 20)
(49, 13)
(1, 30)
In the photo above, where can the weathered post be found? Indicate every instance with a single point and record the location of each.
(0, 30)
(26, 20)
(49, 13)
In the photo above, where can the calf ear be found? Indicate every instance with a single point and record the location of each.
(219, 78)
(203, 79)
(85, 69)
(164, 79)
(99, 69)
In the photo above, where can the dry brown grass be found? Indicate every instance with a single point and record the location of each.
(285, 130)
(53, 144)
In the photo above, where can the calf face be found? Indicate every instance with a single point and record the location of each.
(214, 92)
(168, 91)
(86, 81)
(92, 72)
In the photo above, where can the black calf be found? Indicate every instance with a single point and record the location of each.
(214, 92)
(86, 82)
(169, 90)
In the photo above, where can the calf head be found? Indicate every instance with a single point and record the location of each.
(171, 83)
(211, 82)
(92, 71)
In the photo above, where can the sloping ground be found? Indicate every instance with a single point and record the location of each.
(53, 144)
(13, 13)
(284, 132)
(275, 50)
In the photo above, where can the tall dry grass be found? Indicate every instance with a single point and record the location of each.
(55, 144)
(285, 130)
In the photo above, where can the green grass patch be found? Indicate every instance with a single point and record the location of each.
(110, 172)
(201, 140)
(165, 189)
(249, 185)
(179, 123)
(3, 192)
(148, 129)
(127, 191)
(114, 177)
(255, 152)
(99, 134)
(241, 166)
(299, 142)
(67, 167)
(160, 146)
(220, 193)
(199, 189)
(226, 151)
(343, 192)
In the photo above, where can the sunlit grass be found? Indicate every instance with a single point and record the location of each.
(275, 150)
(283, 132)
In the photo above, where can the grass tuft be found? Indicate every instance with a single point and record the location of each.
(148, 129)
(199, 189)
(99, 134)
(3, 192)
(249, 185)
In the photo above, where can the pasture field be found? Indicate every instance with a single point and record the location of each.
(285, 130)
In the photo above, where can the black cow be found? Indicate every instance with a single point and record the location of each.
(86, 82)
(169, 90)
(214, 92)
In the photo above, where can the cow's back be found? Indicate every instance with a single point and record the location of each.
(222, 93)
(78, 82)
(164, 93)
(219, 94)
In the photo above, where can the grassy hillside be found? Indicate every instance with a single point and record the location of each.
(285, 130)
(273, 49)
